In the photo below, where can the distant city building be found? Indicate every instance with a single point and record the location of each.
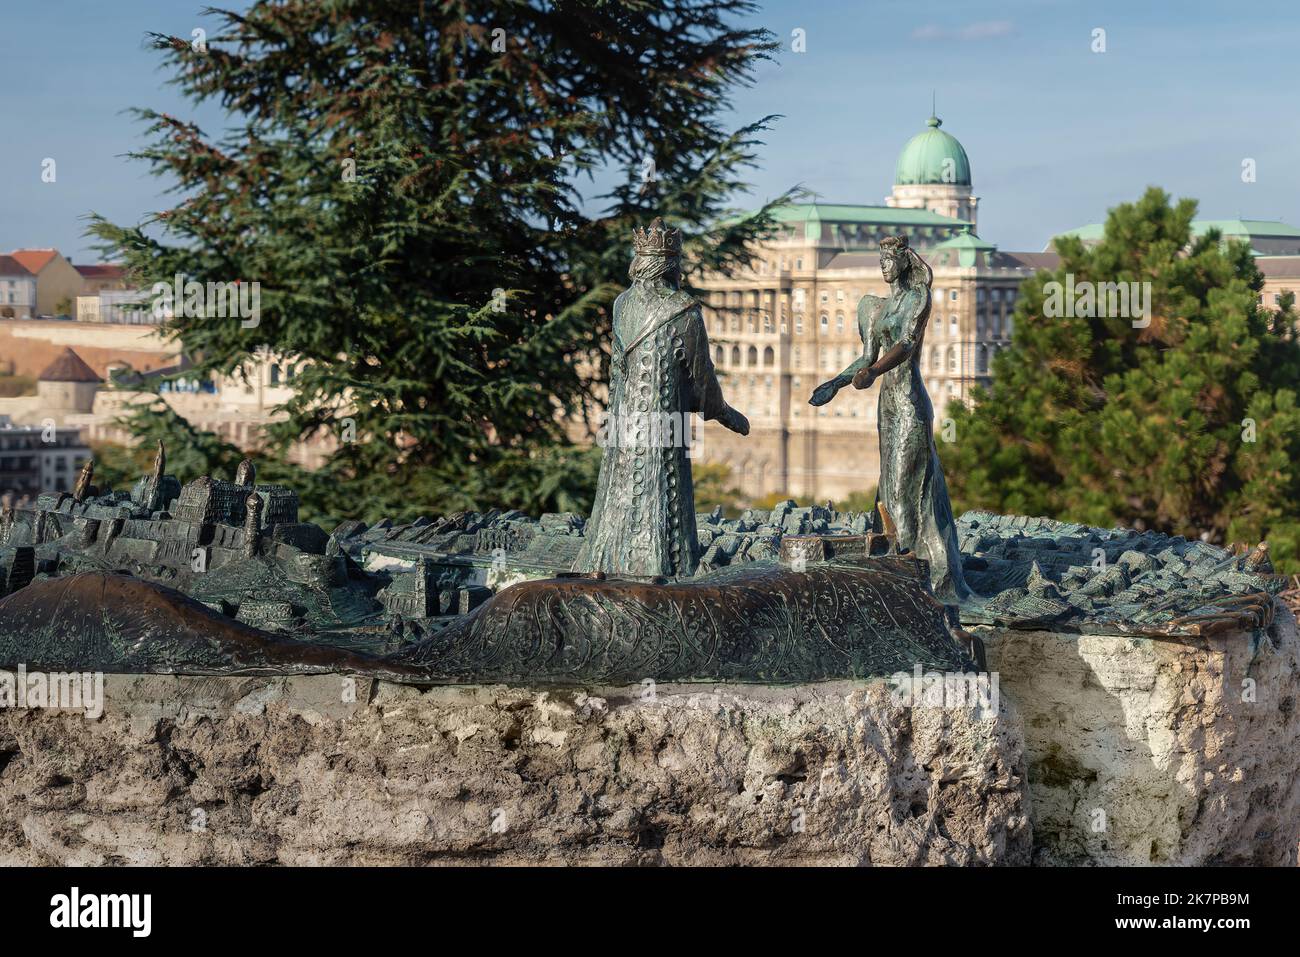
(58, 284)
(140, 365)
(30, 465)
(98, 277)
(17, 290)
(123, 306)
(788, 324)
(43, 283)
(67, 386)
(1276, 247)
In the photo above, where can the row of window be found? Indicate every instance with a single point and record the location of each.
(998, 327)
(799, 296)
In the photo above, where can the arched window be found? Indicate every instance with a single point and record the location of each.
(839, 322)
(717, 355)
(769, 356)
(952, 327)
(936, 359)
(952, 359)
(275, 373)
(751, 357)
(735, 355)
(826, 322)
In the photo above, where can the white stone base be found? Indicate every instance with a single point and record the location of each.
(242, 771)
(1159, 751)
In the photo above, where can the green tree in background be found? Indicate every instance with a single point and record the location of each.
(402, 178)
(1188, 426)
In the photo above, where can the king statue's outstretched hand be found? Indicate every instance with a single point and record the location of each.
(735, 421)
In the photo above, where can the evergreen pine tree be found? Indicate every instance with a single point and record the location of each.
(403, 179)
(1188, 425)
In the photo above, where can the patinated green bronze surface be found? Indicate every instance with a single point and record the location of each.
(220, 577)
(912, 493)
(756, 623)
(643, 521)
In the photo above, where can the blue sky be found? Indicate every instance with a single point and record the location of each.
(1056, 133)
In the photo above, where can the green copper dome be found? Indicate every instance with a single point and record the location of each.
(925, 159)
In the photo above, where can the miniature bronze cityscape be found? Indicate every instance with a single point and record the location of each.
(220, 577)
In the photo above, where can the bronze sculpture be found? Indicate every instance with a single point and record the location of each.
(912, 493)
(643, 520)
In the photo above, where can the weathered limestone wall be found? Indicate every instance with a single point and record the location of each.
(239, 771)
(1146, 751)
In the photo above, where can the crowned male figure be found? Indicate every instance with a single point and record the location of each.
(643, 521)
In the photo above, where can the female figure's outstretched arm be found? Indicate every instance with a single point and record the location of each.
(869, 308)
(915, 306)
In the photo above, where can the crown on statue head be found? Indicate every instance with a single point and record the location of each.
(658, 240)
(894, 243)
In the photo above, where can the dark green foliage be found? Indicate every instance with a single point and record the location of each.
(404, 182)
(1187, 426)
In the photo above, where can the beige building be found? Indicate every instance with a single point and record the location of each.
(790, 323)
(58, 284)
(72, 392)
(17, 290)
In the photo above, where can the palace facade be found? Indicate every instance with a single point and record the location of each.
(786, 325)
(790, 323)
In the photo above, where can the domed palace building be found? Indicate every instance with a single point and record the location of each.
(790, 323)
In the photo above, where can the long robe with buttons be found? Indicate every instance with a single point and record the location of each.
(643, 520)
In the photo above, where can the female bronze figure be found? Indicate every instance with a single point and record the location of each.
(912, 491)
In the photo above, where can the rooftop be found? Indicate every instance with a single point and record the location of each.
(68, 367)
(9, 266)
(101, 271)
(1245, 229)
(858, 213)
(34, 260)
